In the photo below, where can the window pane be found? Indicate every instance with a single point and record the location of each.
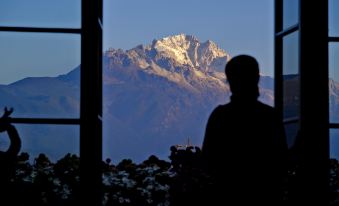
(333, 17)
(290, 13)
(291, 131)
(39, 74)
(53, 140)
(41, 13)
(162, 92)
(334, 81)
(291, 75)
(334, 143)
(334, 166)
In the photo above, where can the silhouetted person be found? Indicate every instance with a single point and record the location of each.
(244, 148)
(8, 159)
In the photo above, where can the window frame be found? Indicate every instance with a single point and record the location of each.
(333, 39)
(90, 120)
(314, 123)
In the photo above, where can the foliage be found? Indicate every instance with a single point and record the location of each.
(45, 183)
(130, 184)
(152, 182)
(189, 185)
(334, 182)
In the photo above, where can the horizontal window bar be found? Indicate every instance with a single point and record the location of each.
(333, 39)
(40, 30)
(334, 125)
(290, 120)
(287, 31)
(44, 121)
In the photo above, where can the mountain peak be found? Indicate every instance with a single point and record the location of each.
(179, 58)
(188, 50)
(177, 42)
(180, 39)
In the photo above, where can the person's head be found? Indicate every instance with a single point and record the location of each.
(242, 73)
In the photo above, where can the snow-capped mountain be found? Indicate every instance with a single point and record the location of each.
(180, 59)
(187, 50)
(155, 96)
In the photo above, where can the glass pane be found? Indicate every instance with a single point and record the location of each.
(333, 17)
(55, 141)
(334, 166)
(164, 69)
(334, 143)
(291, 75)
(41, 13)
(334, 81)
(291, 131)
(39, 74)
(290, 12)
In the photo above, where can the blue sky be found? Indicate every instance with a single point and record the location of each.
(238, 26)
(33, 54)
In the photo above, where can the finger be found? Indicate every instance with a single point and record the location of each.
(8, 112)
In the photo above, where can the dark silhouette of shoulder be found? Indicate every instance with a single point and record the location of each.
(243, 130)
(244, 147)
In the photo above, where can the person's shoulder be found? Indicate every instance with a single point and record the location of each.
(266, 107)
(220, 109)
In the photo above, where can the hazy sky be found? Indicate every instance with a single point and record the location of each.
(237, 26)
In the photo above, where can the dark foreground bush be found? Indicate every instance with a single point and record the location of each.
(180, 181)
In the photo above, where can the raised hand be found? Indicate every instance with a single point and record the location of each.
(4, 120)
(7, 112)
